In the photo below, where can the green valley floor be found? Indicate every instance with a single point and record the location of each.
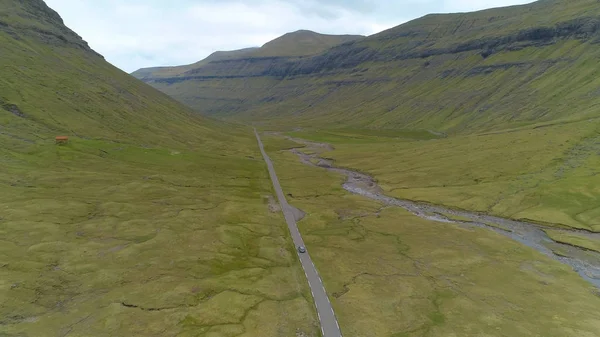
(546, 173)
(102, 238)
(390, 273)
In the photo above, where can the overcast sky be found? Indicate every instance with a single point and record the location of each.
(132, 34)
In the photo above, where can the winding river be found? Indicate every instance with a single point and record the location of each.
(585, 262)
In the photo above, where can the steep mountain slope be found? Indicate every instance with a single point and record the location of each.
(491, 69)
(53, 83)
(151, 220)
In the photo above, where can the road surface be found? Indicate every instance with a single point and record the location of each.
(329, 324)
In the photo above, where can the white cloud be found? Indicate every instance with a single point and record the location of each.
(133, 34)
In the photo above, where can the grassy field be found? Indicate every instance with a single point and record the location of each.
(574, 240)
(278, 143)
(545, 174)
(151, 221)
(389, 273)
(110, 239)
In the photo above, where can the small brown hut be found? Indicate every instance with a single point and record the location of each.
(62, 140)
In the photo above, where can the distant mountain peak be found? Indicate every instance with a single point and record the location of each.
(302, 31)
(299, 43)
(303, 43)
(310, 32)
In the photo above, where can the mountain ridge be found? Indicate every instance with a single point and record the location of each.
(300, 43)
(166, 71)
(454, 63)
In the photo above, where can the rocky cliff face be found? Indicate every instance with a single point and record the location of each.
(35, 19)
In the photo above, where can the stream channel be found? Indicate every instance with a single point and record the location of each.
(585, 262)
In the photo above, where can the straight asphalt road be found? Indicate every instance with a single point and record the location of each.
(329, 324)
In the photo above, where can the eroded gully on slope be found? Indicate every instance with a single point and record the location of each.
(585, 262)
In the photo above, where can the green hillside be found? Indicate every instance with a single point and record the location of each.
(486, 70)
(53, 83)
(151, 220)
(494, 111)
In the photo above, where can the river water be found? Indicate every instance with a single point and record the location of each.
(585, 262)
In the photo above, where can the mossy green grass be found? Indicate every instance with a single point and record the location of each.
(150, 221)
(115, 239)
(545, 174)
(390, 273)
